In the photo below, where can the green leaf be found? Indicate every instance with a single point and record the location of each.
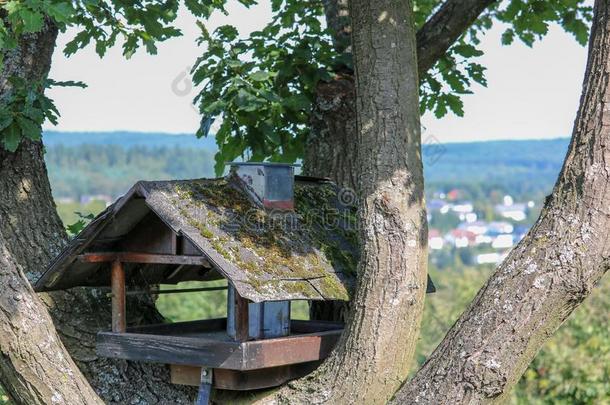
(6, 118)
(32, 20)
(79, 41)
(508, 37)
(61, 12)
(441, 110)
(11, 137)
(35, 114)
(198, 9)
(227, 33)
(455, 104)
(29, 128)
(260, 76)
(467, 50)
(76, 227)
(297, 102)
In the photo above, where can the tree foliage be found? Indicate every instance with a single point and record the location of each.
(261, 87)
(100, 23)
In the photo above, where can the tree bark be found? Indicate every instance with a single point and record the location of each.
(330, 150)
(547, 275)
(445, 27)
(34, 366)
(369, 363)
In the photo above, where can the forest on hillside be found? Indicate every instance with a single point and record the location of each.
(521, 168)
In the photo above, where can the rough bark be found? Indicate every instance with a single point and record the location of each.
(35, 368)
(337, 19)
(330, 150)
(547, 275)
(445, 26)
(31, 234)
(373, 355)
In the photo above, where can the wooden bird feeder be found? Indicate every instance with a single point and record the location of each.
(243, 228)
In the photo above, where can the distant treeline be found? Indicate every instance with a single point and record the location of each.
(524, 169)
(77, 171)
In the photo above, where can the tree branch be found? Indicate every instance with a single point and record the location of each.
(441, 31)
(547, 275)
(35, 367)
(434, 38)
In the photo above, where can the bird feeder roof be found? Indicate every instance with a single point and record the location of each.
(310, 253)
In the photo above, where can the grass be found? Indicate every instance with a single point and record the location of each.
(206, 304)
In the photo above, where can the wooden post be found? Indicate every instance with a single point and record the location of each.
(205, 387)
(119, 318)
(242, 324)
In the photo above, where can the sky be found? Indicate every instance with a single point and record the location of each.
(532, 93)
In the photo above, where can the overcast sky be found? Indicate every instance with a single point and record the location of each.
(532, 93)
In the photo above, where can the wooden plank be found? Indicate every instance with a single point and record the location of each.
(242, 323)
(119, 310)
(302, 326)
(150, 235)
(289, 350)
(170, 350)
(218, 324)
(242, 380)
(178, 328)
(144, 258)
(175, 290)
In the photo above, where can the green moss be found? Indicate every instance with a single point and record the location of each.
(203, 230)
(302, 288)
(217, 244)
(216, 207)
(329, 286)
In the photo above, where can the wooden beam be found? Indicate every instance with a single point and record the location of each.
(215, 352)
(298, 327)
(119, 310)
(167, 349)
(174, 291)
(293, 349)
(144, 258)
(181, 328)
(242, 324)
(242, 380)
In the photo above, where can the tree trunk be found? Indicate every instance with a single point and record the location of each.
(547, 275)
(373, 355)
(34, 367)
(331, 148)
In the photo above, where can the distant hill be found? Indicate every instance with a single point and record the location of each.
(523, 166)
(108, 162)
(128, 139)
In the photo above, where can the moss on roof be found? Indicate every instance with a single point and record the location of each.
(275, 250)
(307, 254)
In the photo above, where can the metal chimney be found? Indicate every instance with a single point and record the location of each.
(270, 184)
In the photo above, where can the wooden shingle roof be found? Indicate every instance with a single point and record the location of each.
(309, 254)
